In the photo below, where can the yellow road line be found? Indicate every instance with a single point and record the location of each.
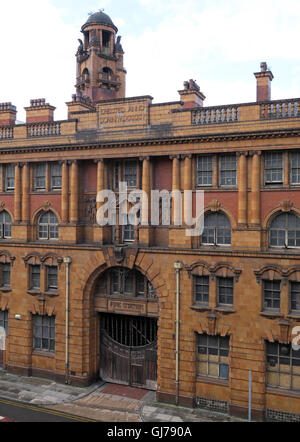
(46, 411)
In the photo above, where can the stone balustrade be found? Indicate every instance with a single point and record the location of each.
(215, 115)
(43, 129)
(280, 109)
(6, 133)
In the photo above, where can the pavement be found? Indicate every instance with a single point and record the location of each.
(101, 401)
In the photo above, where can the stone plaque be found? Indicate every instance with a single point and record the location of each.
(126, 307)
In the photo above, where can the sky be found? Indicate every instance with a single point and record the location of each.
(218, 43)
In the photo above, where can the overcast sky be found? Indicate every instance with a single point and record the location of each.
(218, 43)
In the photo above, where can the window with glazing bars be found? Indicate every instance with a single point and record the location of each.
(52, 278)
(5, 275)
(44, 333)
(283, 366)
(35, 277)
(228, 170)
(201, 289)
(130, 173)
(204, 171)
(40, 176)
(295, 168)
(271, 293)
(295, 296)
(217, 230)
(273, 168)
(128, 233)
(225, 291)
(56, 176)
(5, 225)
(4, 320)
(9, 177)
(48, 226)
(213, 356)
(285, 231)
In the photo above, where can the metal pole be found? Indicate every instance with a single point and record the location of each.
(67, 261)
(250, 395)
(178, 266)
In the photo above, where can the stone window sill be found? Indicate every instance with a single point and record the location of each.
(5, 289)
(200, 308)
(295, 316)
(34, 292)
(271, 315)
(51, 294)
(213, 381)
(283, 392)
(225, 310)
(46, 354)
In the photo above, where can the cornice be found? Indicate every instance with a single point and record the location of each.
(157, 141)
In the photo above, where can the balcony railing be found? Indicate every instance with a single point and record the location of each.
(280, 109)
(6, 133)
(43, 129)
(215, 115)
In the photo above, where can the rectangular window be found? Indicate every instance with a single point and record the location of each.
(295, 296)
(116, 175)
(9, 177)
(4, 320)
(274, 168)
(204, 170)
(35, 277)
(130, 173)
(56, 176)
(128, 233)
(213, 356)
(295, 168)
(283, 366)
(52, 278)
(225, 291)
(40, 176)
(271, 295)
(44, 333)
(228, 170)
(5, 275)
(201, 289)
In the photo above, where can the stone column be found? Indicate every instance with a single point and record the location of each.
(25, 192)
(187, 181)
(17, 199)
(65, 193)
(255, 190)
(146, 190)
(242, 188)
(74, 203)
(175, 183)
(100, 178)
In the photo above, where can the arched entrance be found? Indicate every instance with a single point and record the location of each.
(128, 309)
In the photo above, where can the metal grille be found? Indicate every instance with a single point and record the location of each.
(281, 416)
(211, 404)
(129, 330)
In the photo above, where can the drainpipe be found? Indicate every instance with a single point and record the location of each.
(67, 261)
(178, 267)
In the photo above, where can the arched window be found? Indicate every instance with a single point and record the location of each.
(122, 282)
(217, 230)
(285, 230)
(48, 226)
(5, 225)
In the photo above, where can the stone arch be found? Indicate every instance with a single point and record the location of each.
(216, 206)
(47, 207)
(283, 207)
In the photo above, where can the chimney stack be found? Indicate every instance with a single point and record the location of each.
(8, 114)
(39, 112)
(191, 95)
(264, 79)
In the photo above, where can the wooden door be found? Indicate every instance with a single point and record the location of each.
(134, 365)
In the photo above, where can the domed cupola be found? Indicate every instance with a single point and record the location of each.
(100, 71)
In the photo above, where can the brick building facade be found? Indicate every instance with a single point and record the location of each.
(149, 306)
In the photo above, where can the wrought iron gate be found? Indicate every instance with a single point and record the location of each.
(129, 350)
